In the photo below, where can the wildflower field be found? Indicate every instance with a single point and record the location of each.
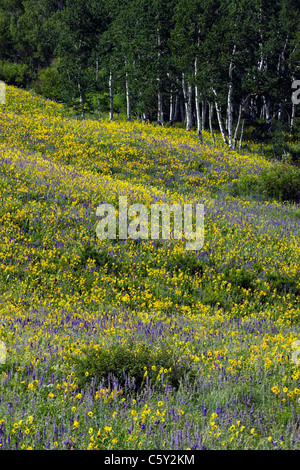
(140, 344)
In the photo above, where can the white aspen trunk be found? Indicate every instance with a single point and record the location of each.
(198, 113)
(187, 94)
(219, 116)
(261, 113)
(81, 100)
(184, 90)
(267, 110)
(128, 109)
(293, 115)
(267, 117)
(204, 108)
(210, 114)
(222, 130)
(111, 96)
(189, 108)
(127, 92)
(280, 64)
(97, 69)
(171, 107)
(237, 127)
(262, 64)
(261, 61)
(229, 103)
(252, 108)
(160, 114)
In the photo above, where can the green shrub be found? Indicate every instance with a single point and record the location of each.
(13, 73)
(49, 83)
(246, 185)
(258, 131)
(280, 135)
(100, 102)
(101, 257)
(281, 183)
(120, 361)
(284, 283)
(188, 263)
(240, 277)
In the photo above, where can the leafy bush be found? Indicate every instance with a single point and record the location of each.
(101, 258)
(13, 73)
(292, 155)
(280, 135)
(282, 182)
(240, 277)
(284, 283)
(49, 83)
(246, 185)
(188, 263)
(120, 361)
(258, 131)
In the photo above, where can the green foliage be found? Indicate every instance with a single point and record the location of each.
(279, 138)
(258, 131)
(150, 46)
(101, 258)
(246, 185)
(292, 155)
(13, 73)
(282, 183)
(284, 283)
(49, 82)
(100, 102)
(240, 277)
(188, 263)
(131, 359)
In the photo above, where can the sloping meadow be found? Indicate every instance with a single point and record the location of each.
(140, 344)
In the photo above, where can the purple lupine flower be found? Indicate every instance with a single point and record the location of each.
(68, 443)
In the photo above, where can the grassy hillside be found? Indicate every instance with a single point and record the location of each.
(123, 344)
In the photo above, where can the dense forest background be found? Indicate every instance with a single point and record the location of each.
(189, 61)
